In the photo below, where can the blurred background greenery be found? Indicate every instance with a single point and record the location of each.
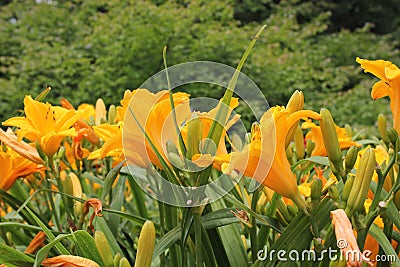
(86, 49)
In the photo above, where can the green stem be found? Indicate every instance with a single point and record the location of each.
(253, 228)
(197, 234)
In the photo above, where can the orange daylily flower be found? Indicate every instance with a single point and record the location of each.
(22, 148)
(389, 85)
(36, 243)
(112, 147)
(153, 113)
(14, 166)
(69, 261)
(315, 135)
(81, 126)
(346, 239)
(45, 124)
(264, 159)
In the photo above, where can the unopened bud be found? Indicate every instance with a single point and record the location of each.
(316, 188)
(392, 136)
(40, 97)
(176, 161)
(310, 145)
(100, 112)
(104, 248)
(348, 185)
(334, 192)
(351, 158)
(247, 138)
(117, 259)
(299, 142)
(295, 103)
(382, 126)
(330, 139)
(237, 142)
(293, 210)
(194, 136)
(146, 244)
(112, 114)
(124, 263)
(61, 152)
(362, 182)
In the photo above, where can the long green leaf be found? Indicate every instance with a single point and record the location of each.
(12, 257)
(42, 253)
(385, 244)
(86, 246)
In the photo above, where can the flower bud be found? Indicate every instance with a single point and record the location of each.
(396, 199)
(330, 139)
(237, 142)
(176, 161)
(316, 188)
(112, 114)
(100, 112)
(362, 181)
(392, 136)
(382, 126)
(40, 97)
(295, 103)
(351, 158)
(334, 192)
(61, 152)
(171, 148)
(247, 138)
(145, 245)
(293, 210)
(68, 187)
(124, 263)
(299, 142)
(194, 136)
(117, 259)
(347, 188)
(104, 248)
(310, 145)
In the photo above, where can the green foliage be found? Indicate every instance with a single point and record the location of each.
(90, 49)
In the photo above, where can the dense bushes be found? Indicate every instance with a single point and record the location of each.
(90, 49)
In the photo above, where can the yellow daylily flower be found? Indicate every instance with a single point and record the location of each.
(22, 148)
(45, 124)
(14, 166)
(264, 159)
(112, 147)
(389, 85)
(153, 113)
(315, 135)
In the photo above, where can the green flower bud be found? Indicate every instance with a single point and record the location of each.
(112, 114)
(334, 192)
(146, 244)
(347, 188)
(393, 136)
(117, 259)
(362, 182)
(299, 142)
(40, 97)
(104, 248)
(316, 188)
(310, 145)
(382, 126)
(124, 263)
(176, 161)
(293, 210)
(330, 139)
(351, 158)
(194, 136)
(171, 148)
